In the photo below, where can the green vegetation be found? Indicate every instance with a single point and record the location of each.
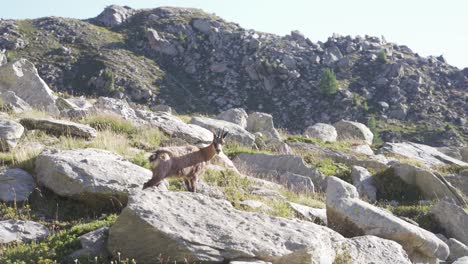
(343, 257)
(329, 168)
(373, 128)
(382, 56)
(419, 213)
(110, 122)
(314, 200)
(55, 248)
(391, 187)
(109, 87)
(328, 83)
(449, 169)
(234, 186)
(344, 146)
(232, 149)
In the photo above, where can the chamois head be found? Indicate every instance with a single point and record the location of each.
(218, 140)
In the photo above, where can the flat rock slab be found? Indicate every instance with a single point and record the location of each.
(59, 127)
(21, 231)
(426, 154)
(90, 175)
(453, 219)
(261, 164)
(237, 134)
(16, 185)
(175, 127)
(350, 216)
(175, 225)
(10, 133)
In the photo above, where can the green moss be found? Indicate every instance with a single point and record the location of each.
(234, 186)
(343, 257)
(391, 187)
(420, 214)
(110, 122)
(449, 168)
(328, 167)
(231, 150)
(314, 200)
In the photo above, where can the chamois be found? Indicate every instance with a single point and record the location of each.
(187, 162)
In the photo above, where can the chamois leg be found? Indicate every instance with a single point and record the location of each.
(187, 184)
(193, 182)
(154, 181)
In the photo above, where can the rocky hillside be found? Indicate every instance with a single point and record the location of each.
(199, 63)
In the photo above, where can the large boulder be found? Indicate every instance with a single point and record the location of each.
(324, 132)
(463, 260)
(16, 185)
(234, 115)
(59, 127)
(175, 127)
(268, 166)
(364, 183)
(21, 231)
(10, 133)
(14, 103)
(348, 130)
(22, 78)
(114, 15)
(425, 154)
(112, 106)
(350, 216)
(453, 219)
(90, 175)
(432, 186)
(236, 133)
(175, 225)
(316, 215)
(459, 180)
(263, 123)
(457, 249)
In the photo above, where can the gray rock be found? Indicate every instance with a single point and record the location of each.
(111, 106)
(315, 215)
(459, 181)
(59, 127)
(295, 182)
(16, 104)
(10, 133)
(457, 249)
(331, 55)
(350, 216)
(262, 122)
(93, 244)
(249, 261)
(90, 175)
(22, 78)
(364, 183)
(236, 133)
(202, 25)
(21, 231)
(269, 166)
(175, 224)
(324, 132)
(363, 149)
(431, 186)
(114, 15)
(3, 58)
(16, 185)
(162, 108)
(463, 260)
(175, 127)
(419, 152)
(453, 219)
(348, 130)
(160, 44)
(252, 204)
(234, 115)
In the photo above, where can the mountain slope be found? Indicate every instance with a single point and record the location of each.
(197, 62)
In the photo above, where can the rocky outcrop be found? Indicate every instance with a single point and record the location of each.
(315, 215)
(350, 216)
(13, 103)
(111, 106)
(236, 133)
(269, 166)
(364, 183)
(453, 219)
(174, 224)
(10, 133)
(16, 185)
(114, 15)
(426, 154)
(59, 127)
(90, 175)
(21, 231)
(175, 127)
(263, 123)
(324, 132)
(237, 116)
(22, 78)
(432, 186)
(348, 130)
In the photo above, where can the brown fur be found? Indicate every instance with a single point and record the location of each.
(186, 162)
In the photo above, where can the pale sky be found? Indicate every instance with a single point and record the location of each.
(429, 27)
